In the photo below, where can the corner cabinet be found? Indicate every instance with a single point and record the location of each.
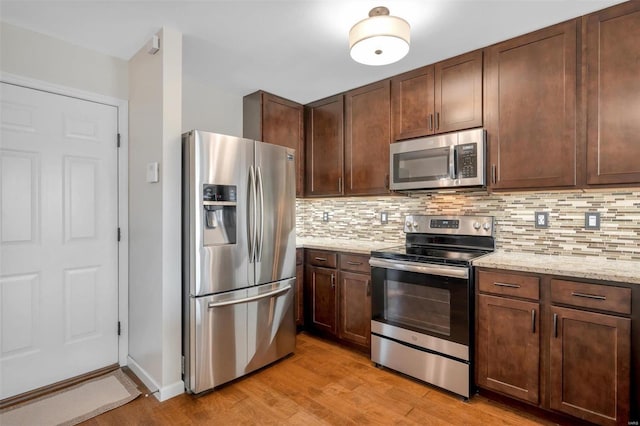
(367, 139)
(438, 98)
(324, 147)
(560, 344)
(530, 109)
(272, 119)
(613, 95)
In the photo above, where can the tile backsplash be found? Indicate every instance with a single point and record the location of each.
(618, 236)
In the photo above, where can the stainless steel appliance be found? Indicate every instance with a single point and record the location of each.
(436, 162)
(238, 257)
(423, 297)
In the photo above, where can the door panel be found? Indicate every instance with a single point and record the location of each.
(59, 281)
(276, 176)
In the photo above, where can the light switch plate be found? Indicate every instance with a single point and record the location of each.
(542, 219)
(592, 220)
(152, 172)
(384, 218)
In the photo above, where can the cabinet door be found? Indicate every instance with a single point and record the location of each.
(324, 147)
(355, 308)
(367, 139)
(530, 110)
(282, 124)
(412, 95)
(613, 97)
(458, 93)
(279, 121)
(299, 299)
(321, 283)
(589, 365)
(508, 347)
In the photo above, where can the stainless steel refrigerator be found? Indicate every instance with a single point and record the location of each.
(238, 207)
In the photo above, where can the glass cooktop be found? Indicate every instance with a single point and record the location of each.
(430, 254)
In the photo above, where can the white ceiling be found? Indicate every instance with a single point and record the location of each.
(297, 49)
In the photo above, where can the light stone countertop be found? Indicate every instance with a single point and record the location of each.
(595, 268)
(349, 246)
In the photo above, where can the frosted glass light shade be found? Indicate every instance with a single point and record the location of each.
(379, 40)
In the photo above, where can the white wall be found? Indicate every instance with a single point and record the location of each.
(206, 106)
(38, 56)
(154, 216)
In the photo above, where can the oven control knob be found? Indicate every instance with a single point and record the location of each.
(486, 226)
(476, 225)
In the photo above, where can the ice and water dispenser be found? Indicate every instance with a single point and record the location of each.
(219, 214)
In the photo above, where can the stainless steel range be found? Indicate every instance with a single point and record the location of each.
(423, 298)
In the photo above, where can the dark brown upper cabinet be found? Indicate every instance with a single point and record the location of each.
(530, 109)
(438, 98)
(613, 95)
(279, 121)
(367, 139)
(324, 128)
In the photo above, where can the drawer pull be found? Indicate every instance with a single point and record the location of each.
(507, 285)
(588, 296)
(354, 263)
(320, 259)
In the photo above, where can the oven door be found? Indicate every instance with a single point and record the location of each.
(424, 305)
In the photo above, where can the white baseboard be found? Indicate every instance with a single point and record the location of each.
(161, 393)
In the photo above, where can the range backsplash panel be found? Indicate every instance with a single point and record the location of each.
(618, 237)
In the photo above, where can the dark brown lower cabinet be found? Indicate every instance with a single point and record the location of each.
(322, 298)
(568, 351)
(509, 346)
(590, 365)
(355, 308)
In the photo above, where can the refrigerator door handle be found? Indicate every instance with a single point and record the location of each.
(249, 299)
(251, 215)
(260, 187)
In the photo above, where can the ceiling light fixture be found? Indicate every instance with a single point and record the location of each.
(380, 39)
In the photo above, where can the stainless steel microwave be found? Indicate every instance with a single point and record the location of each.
(445, 161)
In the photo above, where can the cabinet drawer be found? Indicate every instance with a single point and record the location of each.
(299, 256)
(355, 263)
(525, 286)
(328, 259)
(593, 296)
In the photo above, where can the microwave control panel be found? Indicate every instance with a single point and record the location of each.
(467, 160)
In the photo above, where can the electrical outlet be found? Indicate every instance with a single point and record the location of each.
(592, 220)
(384, 218)
(325, 216)
(542, 219)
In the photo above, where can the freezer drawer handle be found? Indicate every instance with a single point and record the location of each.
(249, 299)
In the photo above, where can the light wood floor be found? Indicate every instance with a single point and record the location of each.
(320, 384)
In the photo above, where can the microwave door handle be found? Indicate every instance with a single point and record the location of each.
(453, 162)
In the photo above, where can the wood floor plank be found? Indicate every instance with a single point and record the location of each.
(321, 384)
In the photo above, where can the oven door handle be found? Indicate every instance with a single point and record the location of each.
(421, 268)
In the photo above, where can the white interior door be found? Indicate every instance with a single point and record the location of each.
(58, 240)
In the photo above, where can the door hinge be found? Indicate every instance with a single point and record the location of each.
(118, 140)
(119, 329)
(119, 234)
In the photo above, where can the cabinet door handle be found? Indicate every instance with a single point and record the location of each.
(437, 120)
(333, 281)
(320, 259)
(353, 263)
(368, 288)
(493, 173)
(430, 121)
(588, 296)
(386, 181)
(507, 285)
(533, 321)
(555, 325)
(339, 184)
